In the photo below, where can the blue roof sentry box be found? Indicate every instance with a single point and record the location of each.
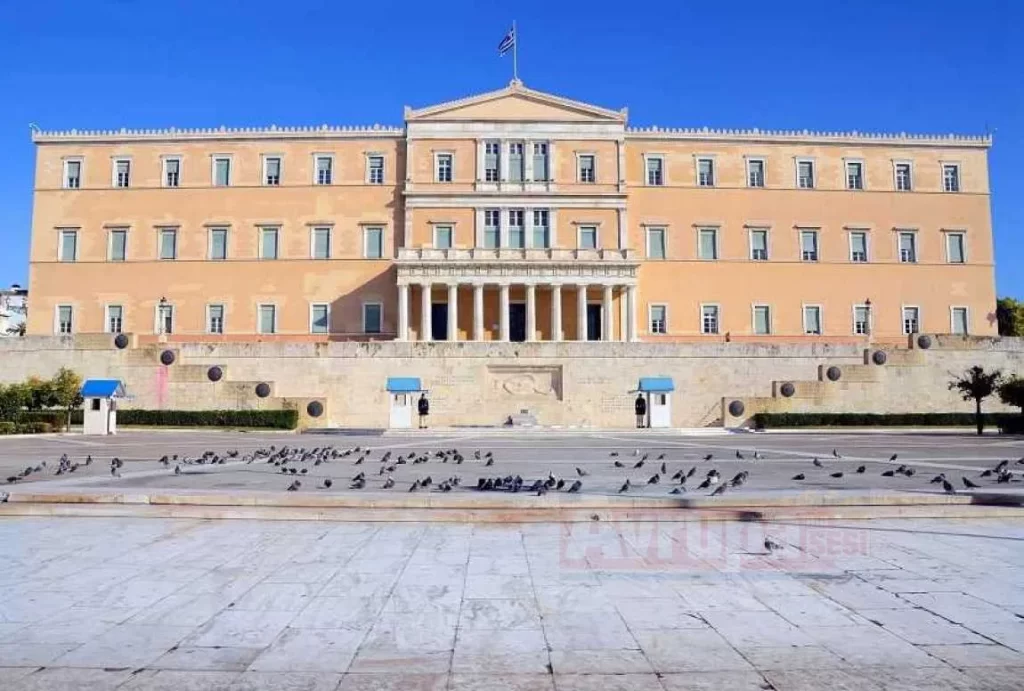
(103, 388)
(656, 385)
(404, 384)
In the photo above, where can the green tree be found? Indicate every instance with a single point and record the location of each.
(1011, 392)
(13, 398)
(40, 393)
(976, 385)
(1010, 315)
(67, 388)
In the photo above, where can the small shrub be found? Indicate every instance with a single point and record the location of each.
(7, 427)
(1012, 424)
(273, 419)
(33, 428)
(783, 420)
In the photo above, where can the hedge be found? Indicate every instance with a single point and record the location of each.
(55, 418)
(276, 419)
(779, 420)
(1012, 425)
(7, 427)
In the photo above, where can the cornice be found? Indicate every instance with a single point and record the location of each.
(981, 141)
(218, 133)
(516, 87)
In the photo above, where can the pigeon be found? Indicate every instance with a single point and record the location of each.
(638, 464)
(625, 486)
(771, 545)
(678, 490)
(757, 455)
(575, 487)
(1020, 461)
(889, 473)
(613, 454)
(705, 484)
(1002, 466)
(861, 469)
(837, 475)
(679, 475)
(636, 452)
(968, 484)
(1004, 477)
(328, 482)
(654, 479)
(294, 487)
(720, 490)
(986, 473)
(88, 460)
(937, 479)
(707, 457)
(560, 484)
(948, 487)
(835, 454)
(660, 457)
(714, 476)
(664, 470)
(177, 470)
(580, 472)
(739, 478)
(415, 486)
(817, 463)
(798, 476)
(691, 471)
(619, 464)
(739, 455)
(389, 482)
(892, 459)
(489, 462)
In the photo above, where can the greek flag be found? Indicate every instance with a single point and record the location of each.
(508, 42)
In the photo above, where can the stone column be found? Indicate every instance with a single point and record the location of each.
(556, 312)
(531, 312)
(425, 326)
(631, 315)
(453, 311)
(581, 312)
(606, 314)
(478, 312)
(503, 329)
(403, 311)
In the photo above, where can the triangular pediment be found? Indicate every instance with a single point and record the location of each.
(515, 103)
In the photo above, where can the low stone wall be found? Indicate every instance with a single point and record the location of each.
(566, 384)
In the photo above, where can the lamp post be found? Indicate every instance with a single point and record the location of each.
(867, 318)
(161, 316)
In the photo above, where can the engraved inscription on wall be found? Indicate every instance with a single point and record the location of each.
(524, 382)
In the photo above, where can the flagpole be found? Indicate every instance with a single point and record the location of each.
(515, 52)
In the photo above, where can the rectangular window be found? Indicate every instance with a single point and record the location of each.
(809, 245)
(655, 170)
(373, 313)
(165, 319)
(861, 318)
(541, 229)
(168, 243)
(709, 319)
(854, 175)
(659, 319)
(812, 320)
(755, 172)
(319, 318)
(762, 320)
(588, 238)
(118, 245)
(65, 319)
(68, 245)
(759, 245)
(115, 319)
(908, 247)
(950, 177)
(221, 171)
(443, 237)
(706, 172)
(656, 243)
(707, 247)
(904, 181)
(587, 172)
(911, 322)
(516, 234)
(268, 243)
(172, 172)
(373, 242)
(72, 174)
(444, 168)
(515, 161)
(540, 161)
(955, 250)
(215, 319)
(492, 161)
(805, 175)
(218, 244)
(122, 172)
(324, 170)
(492, 228)
(267, 319)
(958, 315)
(272, 171)
(321, 243)
(858, 247)
(375, 170)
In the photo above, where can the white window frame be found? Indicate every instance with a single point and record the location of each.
(903, 319)
(597, 235)
(214, 158)
(434, 233)
(312, 242)
(113, 172)
(853, 318)
(366, 240)
(164, 160)
(316, 171)
(277, 253)
(959, 176)
(209, 243)
(520, 227)
(952, 319)
(548, 149)
(209, 318)
(710, 158)
(380, 306)
(821, 318)
(61, 232)
(947, 234)
(817, 244)
(500, 155)
(814, 172)
(850, 232)
(110, 244)
(763, 160)
(664, 170)
(312, 308)
(160, 243)
(370, 155)
(56, 319)
(264, 170)
(534, 227)
(106, 318)
(580, 155)
(863, 174)
(650, 319)
(899, 250)
(80, 160)
(767, 242)
(895, 174)
(451, 169)
(157, 325)
(753, 319)
(718, 254)
(718, 318)
(648, 231)
(259, 319)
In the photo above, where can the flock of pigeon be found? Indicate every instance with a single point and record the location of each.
(295, 462)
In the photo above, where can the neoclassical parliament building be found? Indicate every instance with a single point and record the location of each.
(513, 215)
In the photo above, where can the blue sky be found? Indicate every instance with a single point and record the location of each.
(885, 65)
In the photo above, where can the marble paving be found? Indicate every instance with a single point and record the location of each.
(94, 604)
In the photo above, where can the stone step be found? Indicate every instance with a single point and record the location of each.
(896, 357)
